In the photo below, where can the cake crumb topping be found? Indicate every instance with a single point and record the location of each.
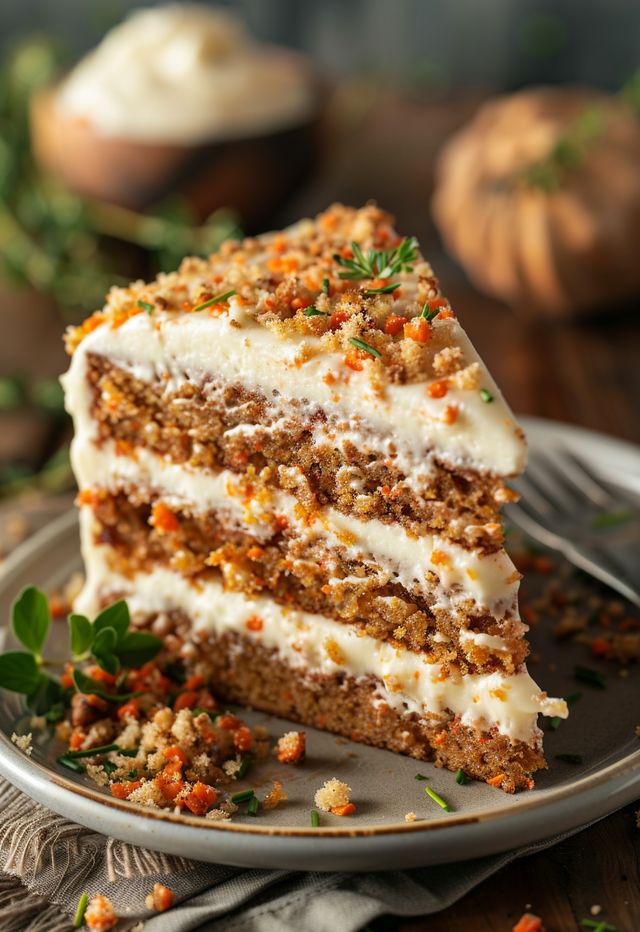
(333, 795)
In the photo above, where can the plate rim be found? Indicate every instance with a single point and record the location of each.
(622, 778)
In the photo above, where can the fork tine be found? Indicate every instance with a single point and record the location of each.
(585, 479)
(536, 500)
(546, 489)
(573, 495)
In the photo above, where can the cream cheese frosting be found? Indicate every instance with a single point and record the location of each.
(235, 348)
(186, 74)
(407, 682)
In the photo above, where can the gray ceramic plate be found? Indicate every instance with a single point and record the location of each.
(484, 821)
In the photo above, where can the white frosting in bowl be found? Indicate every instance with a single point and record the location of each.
(186, 74)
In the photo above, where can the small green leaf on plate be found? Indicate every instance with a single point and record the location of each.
(19, 672)
(30, 619)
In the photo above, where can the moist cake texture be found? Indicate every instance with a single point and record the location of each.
(291, 463)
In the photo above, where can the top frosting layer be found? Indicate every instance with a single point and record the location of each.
(186, 74)
(339, 312)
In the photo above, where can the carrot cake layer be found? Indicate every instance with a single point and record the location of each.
(282, 660)
(293, 447)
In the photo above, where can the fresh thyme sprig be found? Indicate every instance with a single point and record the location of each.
(379, 263)
(107, 641)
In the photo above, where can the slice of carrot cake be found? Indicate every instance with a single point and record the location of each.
(291, 463)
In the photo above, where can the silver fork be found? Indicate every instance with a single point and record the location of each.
(566, 507)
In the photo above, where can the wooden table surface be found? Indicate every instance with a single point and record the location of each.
(585, 373)
(383, 147)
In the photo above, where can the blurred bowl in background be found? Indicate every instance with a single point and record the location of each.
(177, 100)
(538, 198)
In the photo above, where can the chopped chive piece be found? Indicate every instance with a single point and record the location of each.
(70, 764)
(315, 818)
(81, 908)
(245, 763)
(312, 311)
(461, 778)
(421, 776)
(611, 518)
(570, 758)
(254, 805)
(145, 306)
(242, 796)
(437, 799)
(593, 677)
(360, 344)
(386, 289)
(108, 767)
(598, 924)
(103, 749)
(217, 299)
(486, 396)
(132, 774)
(325, 285)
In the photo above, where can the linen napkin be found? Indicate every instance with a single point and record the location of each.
(47, 862)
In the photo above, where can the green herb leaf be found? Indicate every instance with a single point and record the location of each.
(242, 796)
(379, 263)
(218, 299)
(421, 776)
(486, 395)
(569, 758)
(386, 289)
(461, 778)
(19, 672)
(137, 648)
(30, 619)
(325, 285)
(105, 641)
(47, 694)
(254, 805)
(245, 763)
(145, 306)
(437, 799)
(312, 311)
(114, 616)
(315, 818)
(428, 314)
(593, 677)
(80, 635)
(360, 344)
(70, 764)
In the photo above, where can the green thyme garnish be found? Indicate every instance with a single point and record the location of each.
(486, 395)
(379, 263)
(386, 289)
(312, 311)
(217, 299)
(611, 519)
(242, 797)
(461, 778)
(570, 758)
(429, 314)
(145, 306)
(81, 908)
(254, 805)
(325, 285)
(437, 799)
(360, 344)
(315, 818)
(593, 677)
